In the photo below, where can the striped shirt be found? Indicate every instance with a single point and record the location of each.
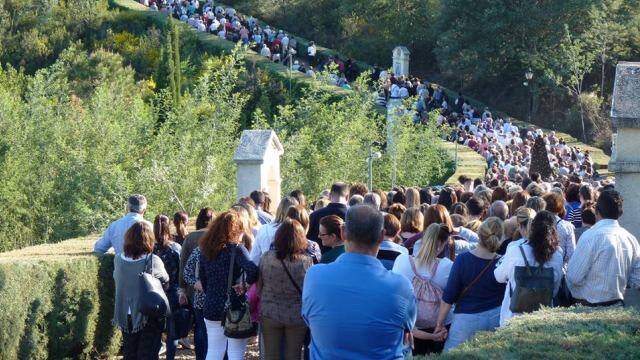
(606, 259)
(567, 237)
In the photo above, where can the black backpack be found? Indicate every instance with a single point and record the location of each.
(534, 287)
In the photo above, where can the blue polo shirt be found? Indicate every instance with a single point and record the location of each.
(357, 309)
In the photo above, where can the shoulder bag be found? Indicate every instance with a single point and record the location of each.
(534, 287)
(237, 323)
(153, 301)
(477, 278)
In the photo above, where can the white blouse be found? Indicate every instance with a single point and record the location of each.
(505, 270)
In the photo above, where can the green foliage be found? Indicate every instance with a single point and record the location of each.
(33, 33)
(575, 333)
(56, 306)
(80, 137)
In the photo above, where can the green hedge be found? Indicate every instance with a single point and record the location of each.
(56, 302)
(576, 333)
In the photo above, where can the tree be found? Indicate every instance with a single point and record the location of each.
(568, 66)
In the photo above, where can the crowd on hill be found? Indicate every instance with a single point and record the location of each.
(269, 42)
(363, 274)
(506, 147)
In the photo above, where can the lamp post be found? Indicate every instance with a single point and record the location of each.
(372, 156)
(528, 75)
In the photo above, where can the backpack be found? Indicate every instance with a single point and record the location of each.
(534, 287)
(428, 297)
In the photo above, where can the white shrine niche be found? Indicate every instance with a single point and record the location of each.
(258, 164)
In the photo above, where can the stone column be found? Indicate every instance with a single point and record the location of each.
(258, 161)
(401, 61)
(625, 159)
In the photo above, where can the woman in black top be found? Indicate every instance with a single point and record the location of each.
(169, 252)
(222, 239)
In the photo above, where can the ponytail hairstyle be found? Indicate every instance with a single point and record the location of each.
(161, 230)
(490, 233)
(543, 237)
(524, 216)
(180, 221)
(433, 241)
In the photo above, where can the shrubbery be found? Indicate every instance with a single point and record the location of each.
(576, 333)
(56, 302)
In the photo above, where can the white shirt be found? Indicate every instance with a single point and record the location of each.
(505, 273)
(265, 236)
(402, 266)
(265, 51)
(113, 237)
(606, 259)
(311, 50)
(468, 235)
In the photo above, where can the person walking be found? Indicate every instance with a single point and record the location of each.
(169, 252)
(218, 247)
(429, 275)
(113, 237)
(341, 300)
(331, 236)
(607, 257)
(541, 249)
(473, 288)
(189, 262)
(282, 272)
(141, 334)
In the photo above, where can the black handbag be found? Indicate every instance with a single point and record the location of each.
(153, 301)
(183, 320)
(534, 287)
(237, 322)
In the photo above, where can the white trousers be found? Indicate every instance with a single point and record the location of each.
(217, 343)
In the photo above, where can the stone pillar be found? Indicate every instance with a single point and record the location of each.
(258, 160)
(625, 159)
(401, 61)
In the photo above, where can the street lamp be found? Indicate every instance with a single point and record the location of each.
(372, 156)
(528, 75)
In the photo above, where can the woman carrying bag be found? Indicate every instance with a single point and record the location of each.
(473, 289)
(141, 333)
(536, 265)
(282, 272)
(223, 263)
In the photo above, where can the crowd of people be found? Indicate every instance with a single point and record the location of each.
(506, 147)
(368, 274)
(269, 42)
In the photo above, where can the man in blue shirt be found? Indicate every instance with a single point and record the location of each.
(113, 237)
(355, 308)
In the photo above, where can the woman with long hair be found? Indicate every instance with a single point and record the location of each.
(461, 239)
(541, 248)
(330, 234)
(221, 243)
(426, 265)
(411, 223)
(180, 222)
(301, 215)
(266, 233)
(169, 252)
(141, 335)
(282, 272)
(412, 198)
(473, 288)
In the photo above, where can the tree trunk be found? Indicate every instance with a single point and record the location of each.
(584, 134)
(602, 69)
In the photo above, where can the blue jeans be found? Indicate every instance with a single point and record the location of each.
(200, 335)
(464, 326)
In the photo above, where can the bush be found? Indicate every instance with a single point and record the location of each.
(576, 333)
(56, 302)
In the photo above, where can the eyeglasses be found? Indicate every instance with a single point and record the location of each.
(322, 235)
